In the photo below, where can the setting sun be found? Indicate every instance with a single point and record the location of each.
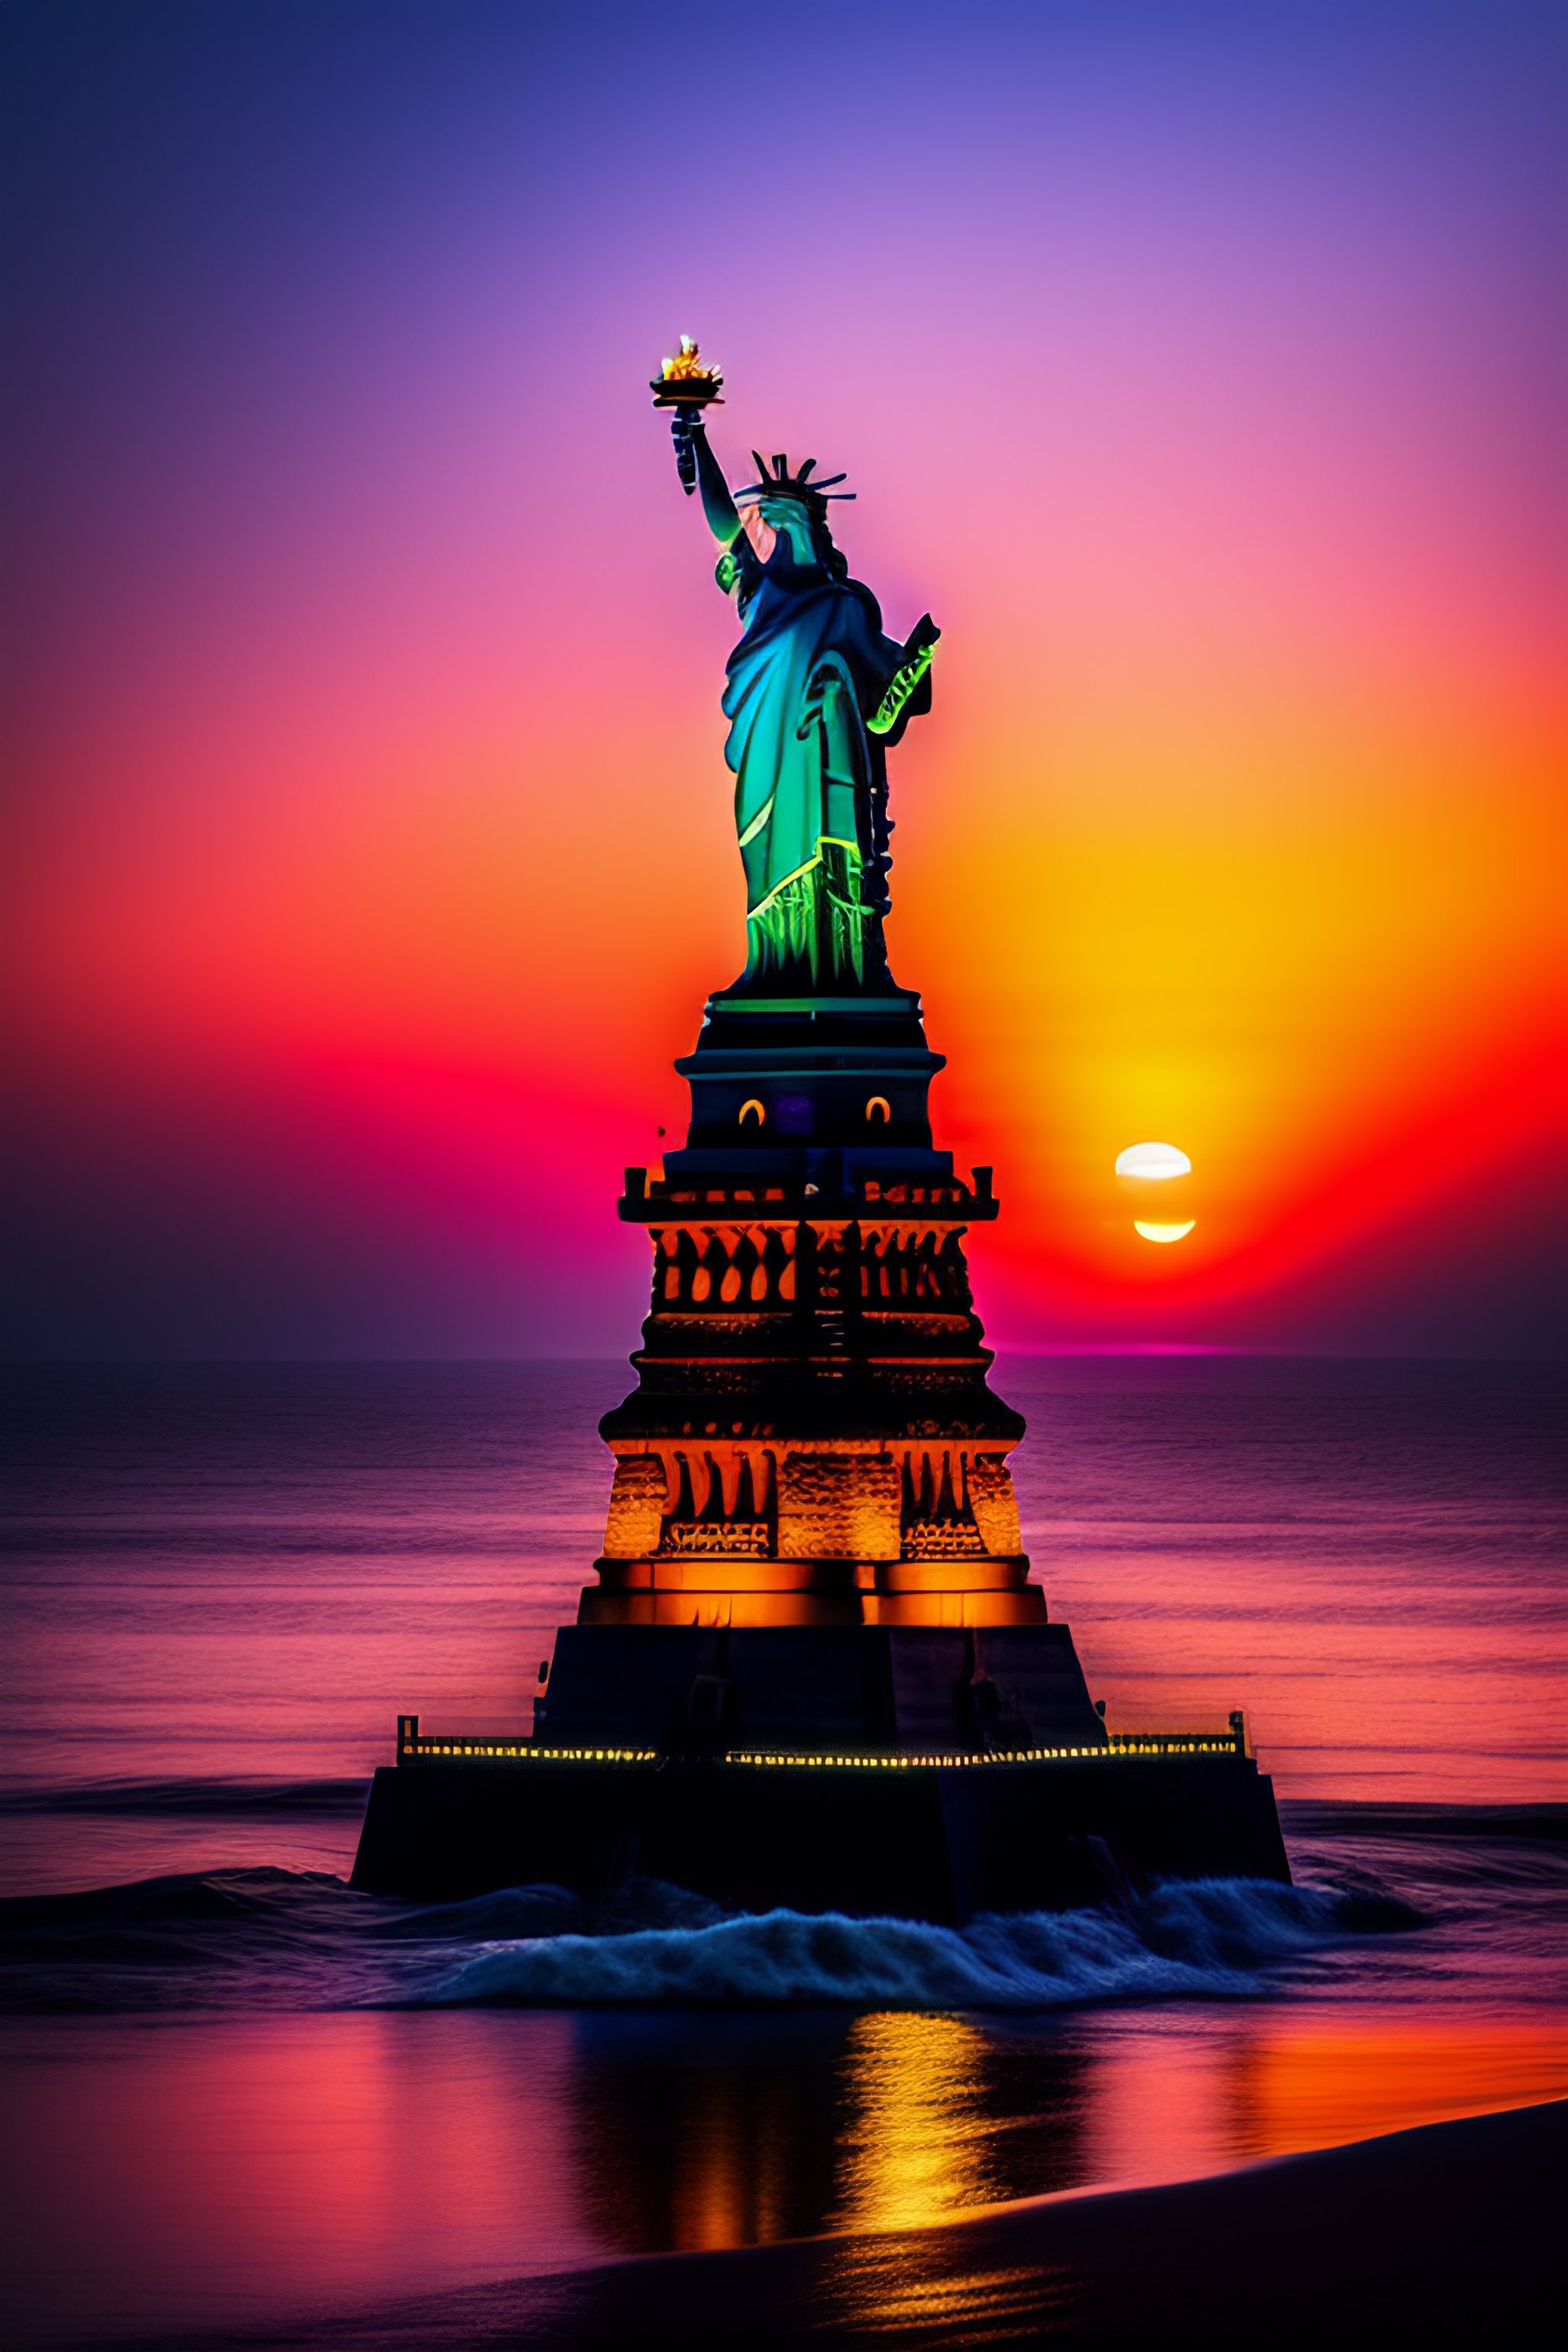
(1155, 1162)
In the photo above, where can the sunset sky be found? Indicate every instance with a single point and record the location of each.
(1202, 368)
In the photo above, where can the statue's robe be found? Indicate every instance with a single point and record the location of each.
(807, 774)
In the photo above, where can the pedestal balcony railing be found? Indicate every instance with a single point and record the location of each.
(943, 1540)
(1125, 1747)
(726, 1539)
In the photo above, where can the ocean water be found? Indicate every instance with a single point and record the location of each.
(240, 2096)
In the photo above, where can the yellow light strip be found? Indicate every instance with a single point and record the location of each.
(1117, 1744)
(526, 1751)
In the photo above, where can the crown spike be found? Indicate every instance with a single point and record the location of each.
(775, 480)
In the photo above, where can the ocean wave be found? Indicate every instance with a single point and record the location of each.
(275, 1938)
(186, 1940)
(1213, 1937)
(272, 1939)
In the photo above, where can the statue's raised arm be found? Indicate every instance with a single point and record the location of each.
(816, 695)
(692, 456)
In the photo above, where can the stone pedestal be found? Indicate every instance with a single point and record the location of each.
(813, 1441)
(813, 1669)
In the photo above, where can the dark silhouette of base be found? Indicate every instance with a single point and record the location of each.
(924, 1842)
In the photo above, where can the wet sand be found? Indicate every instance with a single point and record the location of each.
(1451, 2231)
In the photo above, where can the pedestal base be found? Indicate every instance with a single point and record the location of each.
(825, 1685)
(923, 1841)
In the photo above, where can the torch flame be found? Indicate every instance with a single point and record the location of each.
(688, 365)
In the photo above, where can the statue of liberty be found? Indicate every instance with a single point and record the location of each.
(816, 694)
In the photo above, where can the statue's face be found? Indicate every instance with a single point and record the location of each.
(790, 519)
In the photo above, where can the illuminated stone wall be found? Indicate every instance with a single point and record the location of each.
(812, 1439)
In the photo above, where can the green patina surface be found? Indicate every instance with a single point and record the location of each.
(816, 693)
(817, 919)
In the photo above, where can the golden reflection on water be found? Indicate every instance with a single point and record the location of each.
(914, 2285)
(917, 2147)
(917, 2144)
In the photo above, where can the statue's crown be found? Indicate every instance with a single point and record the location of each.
(778, 482)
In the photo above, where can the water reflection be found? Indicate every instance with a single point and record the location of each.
(947, 2113)
(1167, 2105)
(918, 2145)
(942, 2118)
(702, 2129)
(205, 2171)
(908, 2285)
(710, 2130)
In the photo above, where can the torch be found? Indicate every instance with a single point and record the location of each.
(687, 385)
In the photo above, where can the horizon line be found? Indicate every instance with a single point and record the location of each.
(1047, 1351)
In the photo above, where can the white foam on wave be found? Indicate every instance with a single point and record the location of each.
(1209, 1936)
